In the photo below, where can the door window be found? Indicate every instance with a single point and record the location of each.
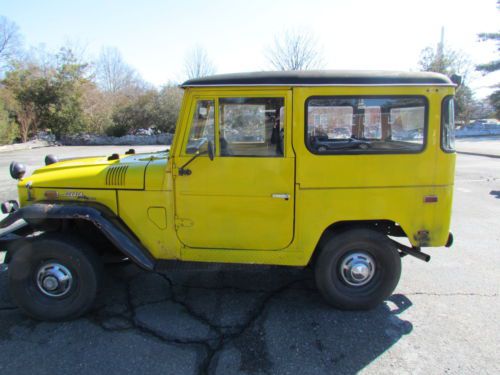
(251, 126)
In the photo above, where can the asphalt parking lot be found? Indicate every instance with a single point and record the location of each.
(443, 317)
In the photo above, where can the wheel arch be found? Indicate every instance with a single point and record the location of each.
(102, 218)
(384, 226)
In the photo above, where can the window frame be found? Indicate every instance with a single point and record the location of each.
(367, 151)
(441, 124)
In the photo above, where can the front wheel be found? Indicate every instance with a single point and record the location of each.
(358, 269)
(54, 277)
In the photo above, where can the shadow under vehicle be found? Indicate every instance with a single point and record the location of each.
(218, 319)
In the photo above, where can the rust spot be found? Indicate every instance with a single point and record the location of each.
(422, 237)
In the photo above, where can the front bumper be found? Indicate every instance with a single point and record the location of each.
(11, 229)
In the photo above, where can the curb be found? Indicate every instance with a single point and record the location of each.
(478, 154)
(26, 146)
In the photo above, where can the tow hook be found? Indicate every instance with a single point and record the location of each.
(413, 251)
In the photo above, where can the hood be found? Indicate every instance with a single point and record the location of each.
(127, 172)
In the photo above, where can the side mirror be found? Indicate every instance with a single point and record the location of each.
(456, 79)
(204, 146)
(197, 146)
(191, 150)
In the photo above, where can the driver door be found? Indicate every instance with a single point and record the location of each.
(244, 198)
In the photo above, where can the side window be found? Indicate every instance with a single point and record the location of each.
(251, 126)
(448, 125)
(365, 124)
(202, 126)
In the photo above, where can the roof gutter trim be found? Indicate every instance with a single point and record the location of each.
(322, 85)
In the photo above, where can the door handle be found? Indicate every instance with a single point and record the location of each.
(281, 196)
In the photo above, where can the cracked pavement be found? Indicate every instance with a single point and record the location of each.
(199, 321)
(234, 319)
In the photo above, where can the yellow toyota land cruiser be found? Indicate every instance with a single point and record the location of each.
(320, 168)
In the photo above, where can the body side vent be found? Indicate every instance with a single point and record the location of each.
(116, 175)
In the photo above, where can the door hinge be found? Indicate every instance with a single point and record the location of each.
(179, 222)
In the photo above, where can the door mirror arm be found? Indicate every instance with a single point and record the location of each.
(183, 171)
(210, 150)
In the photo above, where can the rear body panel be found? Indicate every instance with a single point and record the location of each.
(333, 188)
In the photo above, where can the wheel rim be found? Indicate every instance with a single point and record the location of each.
(357, 269)
(54, 279)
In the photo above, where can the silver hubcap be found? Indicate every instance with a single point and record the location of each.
(54, 280)
(357, 269)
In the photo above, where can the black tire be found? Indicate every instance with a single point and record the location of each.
(338, 289)
(41, 253)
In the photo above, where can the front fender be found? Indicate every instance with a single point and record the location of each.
(102, 217)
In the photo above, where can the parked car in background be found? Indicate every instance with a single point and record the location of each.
(323, 143)
(490, 121)
(148, 131)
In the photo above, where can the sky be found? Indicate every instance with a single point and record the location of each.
(154, 36)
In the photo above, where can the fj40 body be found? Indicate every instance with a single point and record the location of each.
(330, 169)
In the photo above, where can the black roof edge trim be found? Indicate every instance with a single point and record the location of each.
(321, 78)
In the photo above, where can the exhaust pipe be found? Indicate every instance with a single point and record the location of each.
(413, 251)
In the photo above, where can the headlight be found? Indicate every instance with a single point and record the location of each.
(17, 170)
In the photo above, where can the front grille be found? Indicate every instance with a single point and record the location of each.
(116, 175)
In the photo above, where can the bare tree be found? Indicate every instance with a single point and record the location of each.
(27, 119)
(10, 41)
(98, 108)
(113, 74)
(78, 48)
(197, 63)
(294, 50)
(446, 61)
(449, 62)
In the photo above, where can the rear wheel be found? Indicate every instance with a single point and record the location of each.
(54, 277)
(358, 269)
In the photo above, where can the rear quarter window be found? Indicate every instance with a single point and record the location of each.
(448, 124)
(366, 124)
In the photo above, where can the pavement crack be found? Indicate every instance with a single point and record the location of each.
(8, 308)
(211, 346)
(254, 315)
(200, 317)
(222, 288)
(451, 294)
(134, 324)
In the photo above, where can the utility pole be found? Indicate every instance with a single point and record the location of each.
(440, 49)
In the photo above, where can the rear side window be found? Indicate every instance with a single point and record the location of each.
(350, 125)
(448, 125)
